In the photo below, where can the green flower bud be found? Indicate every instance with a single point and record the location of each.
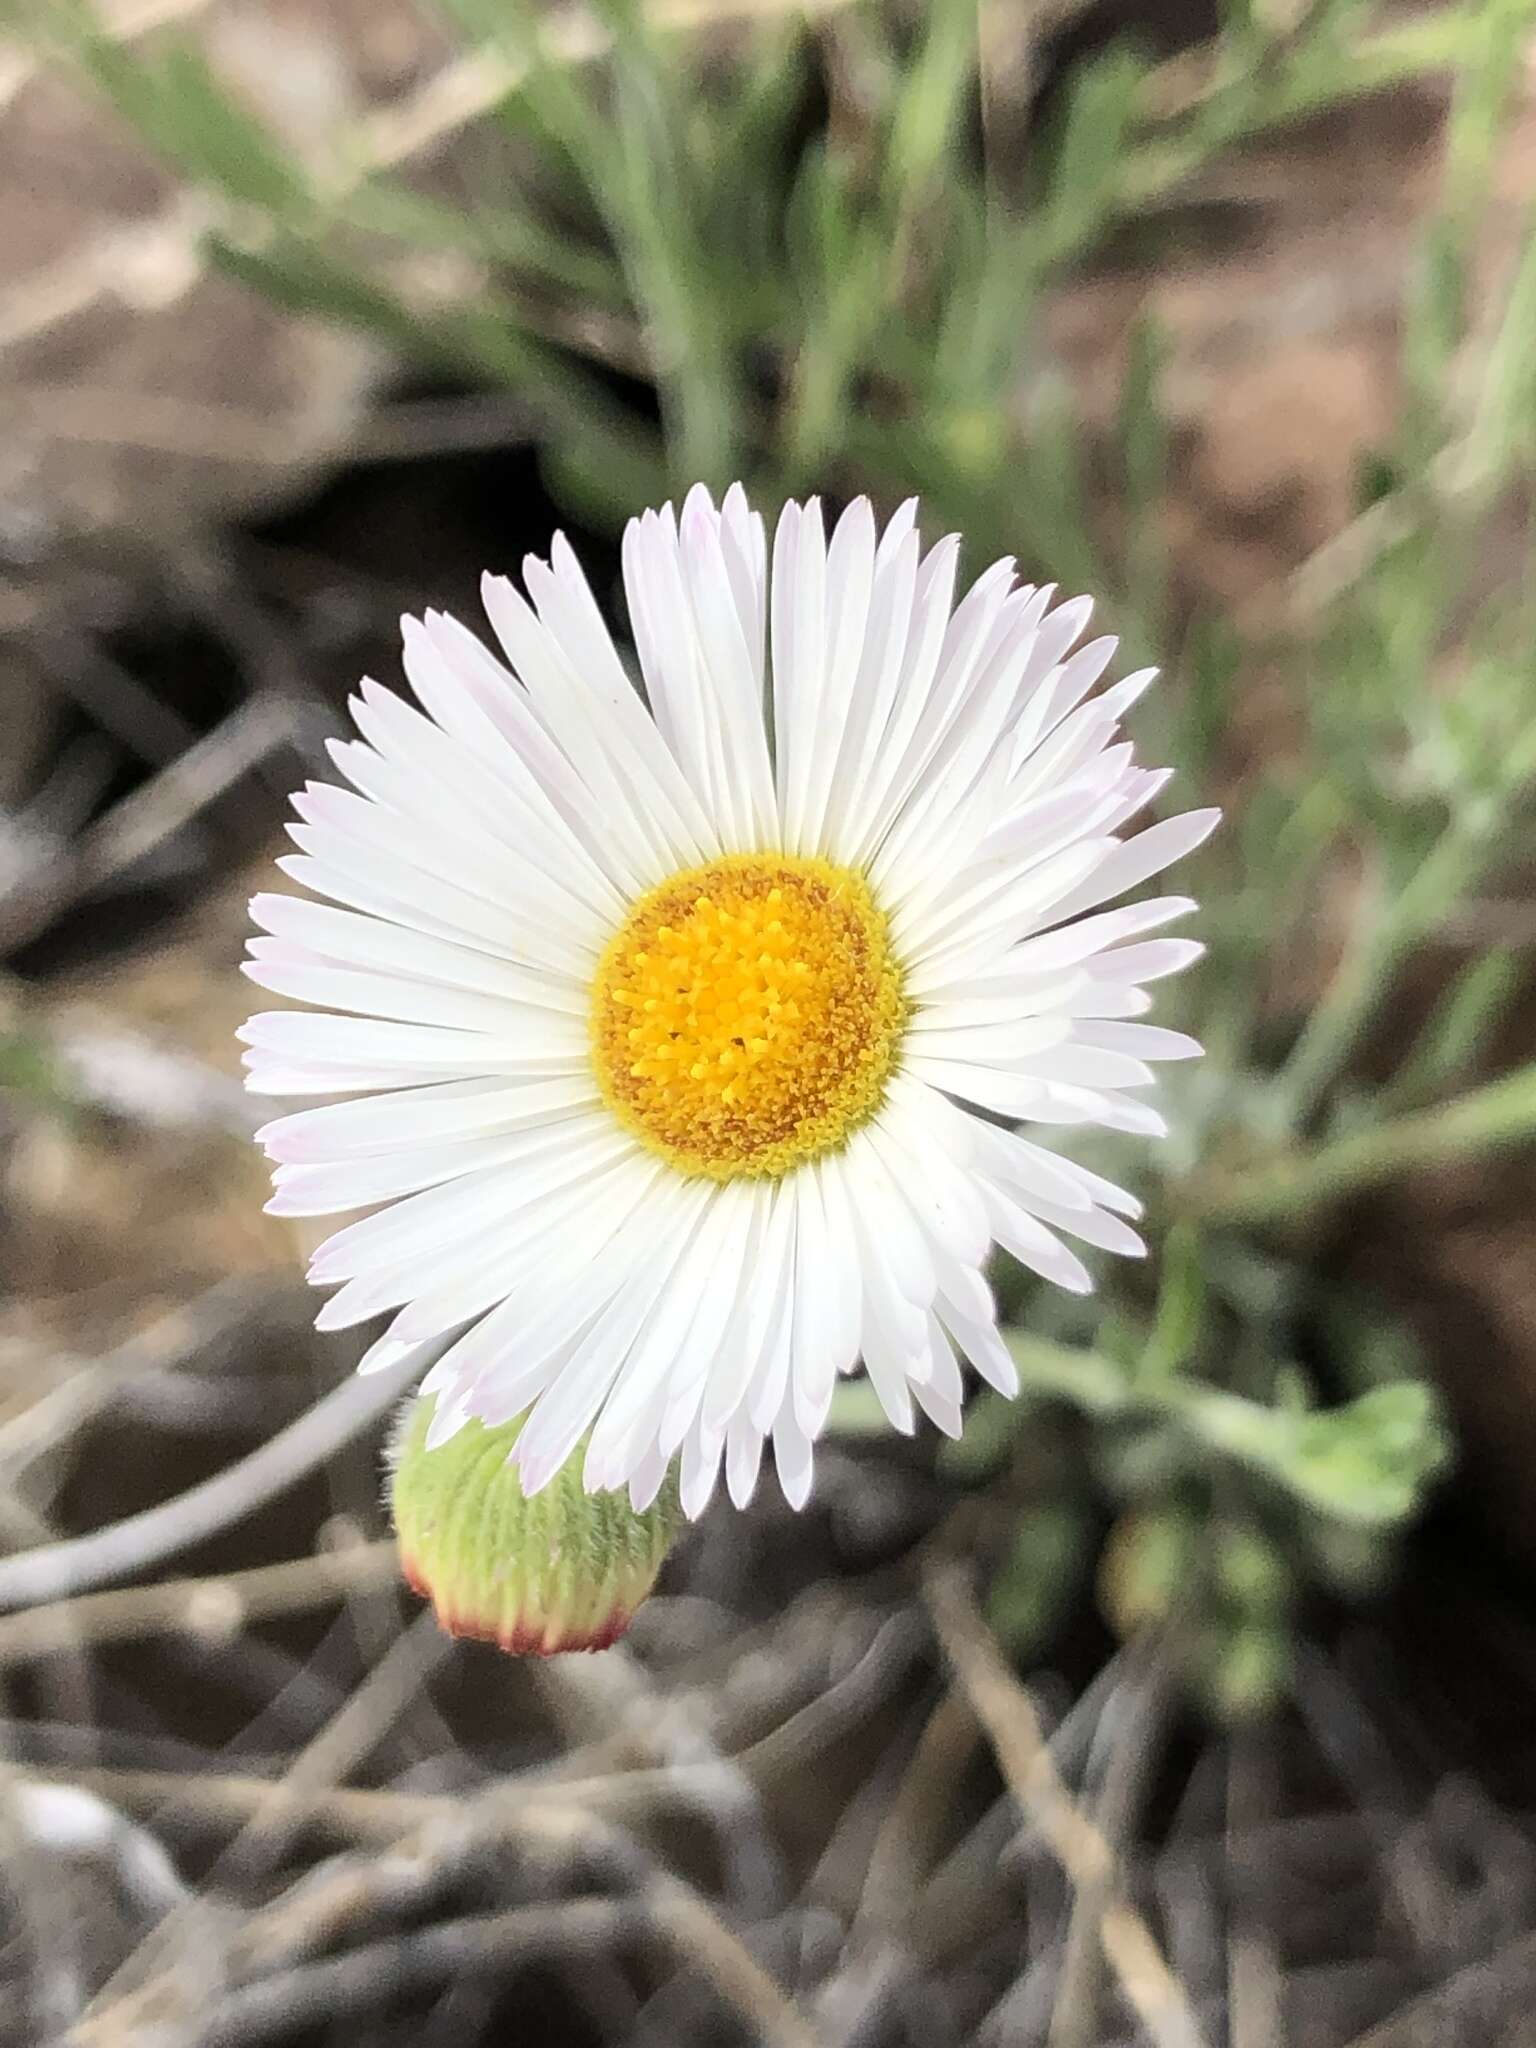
(563, 1571)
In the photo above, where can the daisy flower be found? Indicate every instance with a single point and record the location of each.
(685, 1038)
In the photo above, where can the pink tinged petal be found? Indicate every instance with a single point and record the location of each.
(649, 1381)
(983, 1346)
(448, 1419)
(394, 997)
(1050, 952)
(931, 720)
(502, 1365)
(545, 1251)
(432, 1222)
(1128, 692)
(888, 1362)
(794, 1459)
(829, 1301)
(412, 771)
(976, 934)
(883, 1217)
(1017, 1231)
(340, 826)
(376, 946)
(1148, 961)
(700, 1468)
(891, 604)
(358, 1183)
(385, 1355)
(1145, 855)
(410, 901)
(685, 697)
(760, 1333)
(951, 805)
(645, 1480)
(359, 1301)
(438, 1110)
(731, 649)
(480, 704)
(643, 845)
(1094, 1226)
(743, 1460)
(433, 1053)
(939, 1395)
(850, 586)
(714, 1324)
(543, 781)
(565, 1411)
(366, 879)
(951, 808)
(798, 613)
(744, 546)
(1032, 1172)
(1139, 789)
(1140, 1041)
(569, 611)
(939, 1194)
(472, 791)
(931, 601)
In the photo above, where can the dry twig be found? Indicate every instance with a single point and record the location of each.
(1004, 1708)
(146, 1539)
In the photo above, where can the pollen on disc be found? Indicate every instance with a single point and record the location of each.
(746, 1014)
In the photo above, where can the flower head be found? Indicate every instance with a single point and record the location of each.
(684, 1038)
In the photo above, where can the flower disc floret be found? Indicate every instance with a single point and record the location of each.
(746, 1014)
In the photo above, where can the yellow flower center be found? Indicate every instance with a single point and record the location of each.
(745, 1015)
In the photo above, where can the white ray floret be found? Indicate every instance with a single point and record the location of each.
(674, 1032)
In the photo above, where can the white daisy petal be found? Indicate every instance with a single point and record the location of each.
(673, 1030)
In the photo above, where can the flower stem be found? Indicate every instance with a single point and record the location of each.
(1502, 1113)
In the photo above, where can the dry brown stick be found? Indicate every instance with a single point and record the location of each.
(348, 1736)
(387, 1819)
(214, 1607)
(378, 1818)
(1255, 1984)
(313, 1994)
(172, 1339)
(920, 1811)
(1006, 1711)
(1138, 1705)
(122, 1548)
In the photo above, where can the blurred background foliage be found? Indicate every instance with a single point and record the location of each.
(823, 249)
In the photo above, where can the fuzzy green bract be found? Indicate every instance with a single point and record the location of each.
(565, 1570)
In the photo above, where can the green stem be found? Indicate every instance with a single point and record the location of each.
(1502, 1113)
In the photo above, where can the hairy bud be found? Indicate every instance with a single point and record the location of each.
(565, 1570)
